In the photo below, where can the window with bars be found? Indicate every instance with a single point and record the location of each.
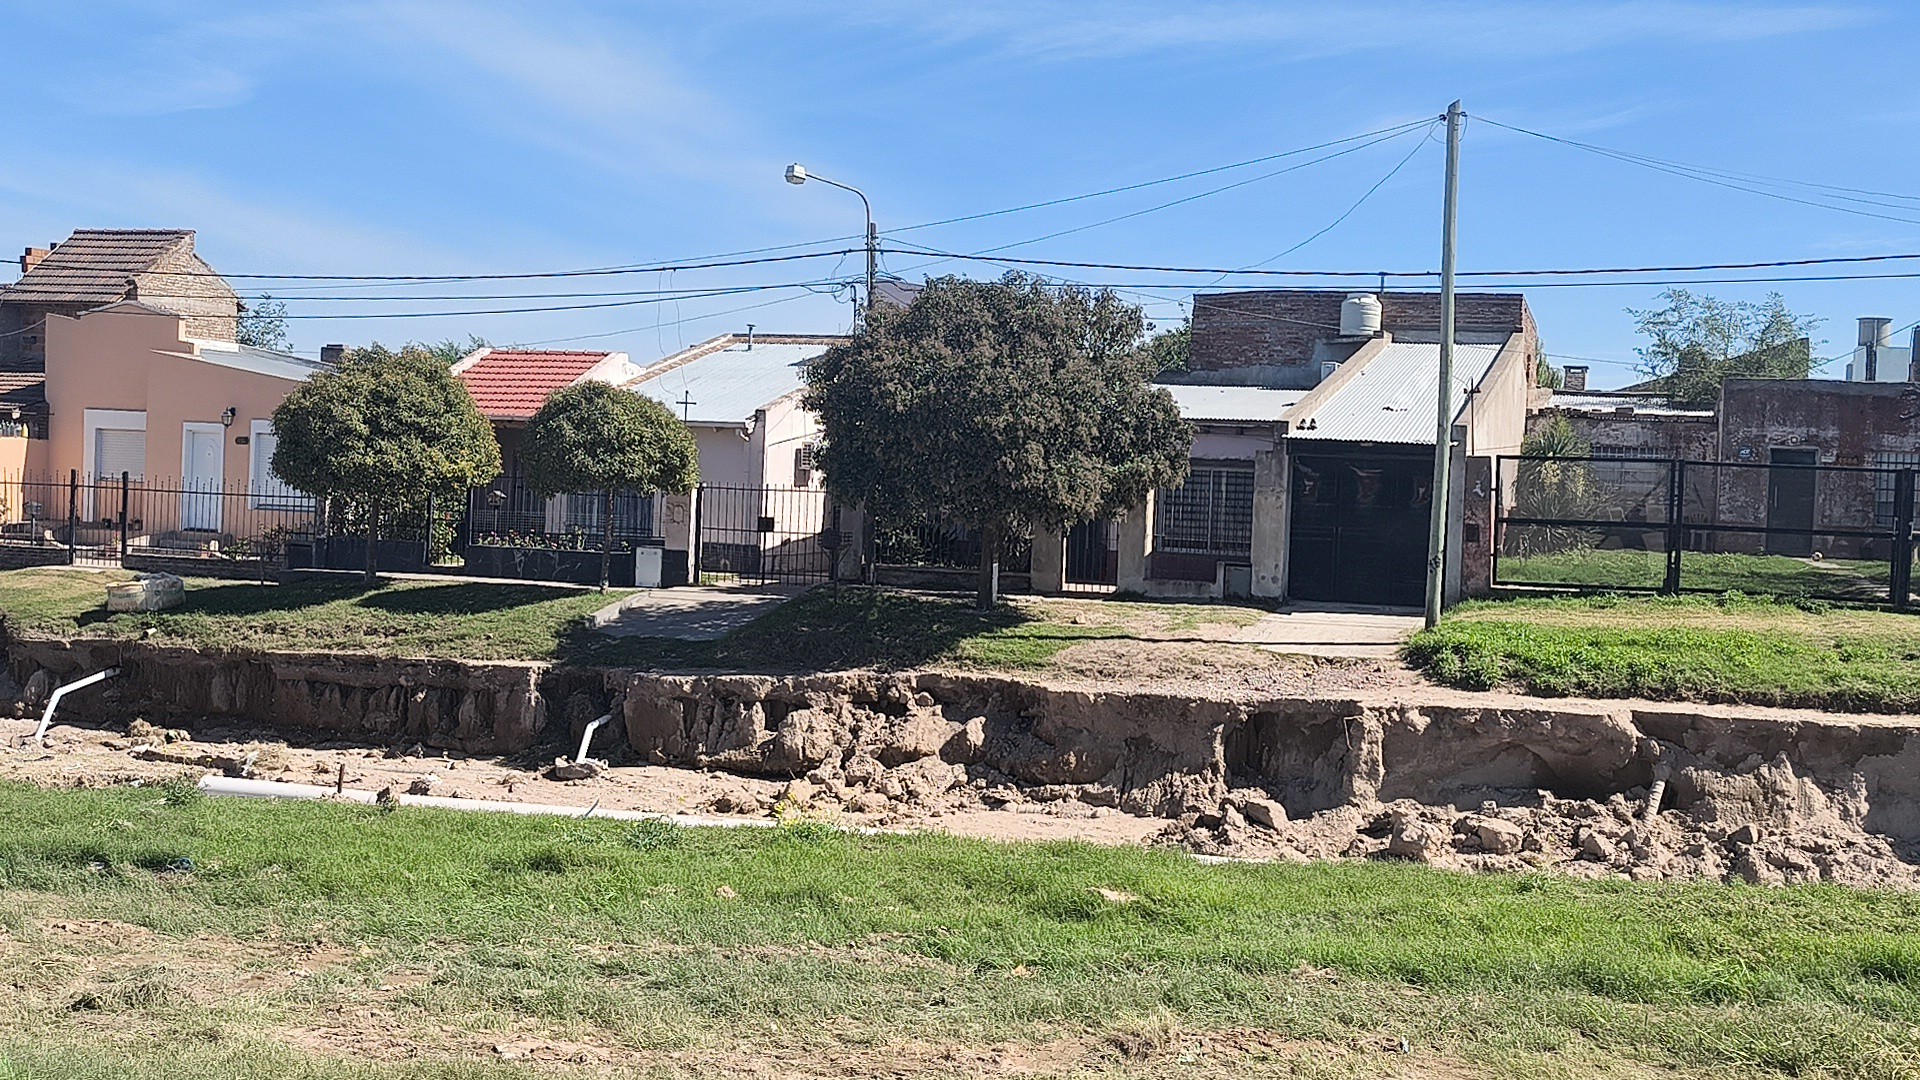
(1210, 514)
(1883, 483)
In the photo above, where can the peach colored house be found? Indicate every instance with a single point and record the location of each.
(130, 392)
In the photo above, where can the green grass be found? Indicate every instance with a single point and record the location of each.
(1729, 648)
(832, 942)
(1756, 575)
(828, 628)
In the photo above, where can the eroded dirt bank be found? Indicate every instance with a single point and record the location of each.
(1477, 781)
(1480, 781)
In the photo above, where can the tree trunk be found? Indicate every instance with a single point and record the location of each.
(373, 541)
(989, 568)
(606, 536)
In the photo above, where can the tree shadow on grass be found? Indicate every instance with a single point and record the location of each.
(249, 599)
(829, 629)
(461, 598)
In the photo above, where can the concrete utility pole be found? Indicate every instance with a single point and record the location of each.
(1443, 422)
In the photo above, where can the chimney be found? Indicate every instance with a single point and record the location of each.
(31, 257)
(331, 355)
(749, 337)
(1575, 379)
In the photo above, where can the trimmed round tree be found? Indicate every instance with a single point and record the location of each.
(383, 433)
(1003, 406)
(595, 438)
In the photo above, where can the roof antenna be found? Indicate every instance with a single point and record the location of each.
(749, 337)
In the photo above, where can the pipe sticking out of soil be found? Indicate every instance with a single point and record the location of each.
(53, 701)
(586, 737)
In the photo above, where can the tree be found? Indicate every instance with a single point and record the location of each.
(449, 351)
(1696, 342)
(382, 433)
(1172, 350)
(598, 438)
(1554, 489)
(1001, 405)
(263, 324)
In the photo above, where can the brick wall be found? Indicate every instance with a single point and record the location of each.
(209, 304)
(1279, 327)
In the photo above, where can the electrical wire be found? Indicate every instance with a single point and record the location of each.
(441, 278)
(1395, 130)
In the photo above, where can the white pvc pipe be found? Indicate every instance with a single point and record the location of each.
(214, 784)
(587, 736)
(53, 702)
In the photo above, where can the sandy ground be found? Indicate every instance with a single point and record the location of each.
(78, 756)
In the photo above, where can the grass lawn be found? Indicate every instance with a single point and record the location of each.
(152, 933)
(1694, 648)
(1756, 575)
(824, 629)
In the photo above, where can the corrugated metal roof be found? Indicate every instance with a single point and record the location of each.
(1641, 404)
(280, 365)
(727, 386)
(1234, 404)
(1391, 398)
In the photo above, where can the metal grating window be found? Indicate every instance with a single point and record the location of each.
(1210, 514)
(1883, 484)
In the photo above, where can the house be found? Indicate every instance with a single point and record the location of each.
(762, 501)
(133, 393)
(1314, 416)
(95, 267)
(508, 387)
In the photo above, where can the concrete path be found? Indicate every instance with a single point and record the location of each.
(691, 613)
(1333, 630)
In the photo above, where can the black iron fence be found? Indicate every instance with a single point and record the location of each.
(508, 513)
(1788, 526)
(107, 520)
(764, 534)
(937, 543)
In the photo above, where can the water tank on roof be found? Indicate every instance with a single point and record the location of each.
(1360, 315)
(1876, 332)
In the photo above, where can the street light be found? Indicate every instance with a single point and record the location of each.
(798, 174)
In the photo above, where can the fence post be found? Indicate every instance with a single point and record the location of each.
(126, 486)
(73, 512)
(693, 556)
(1900, 580)
(1676, 530)
(426, 540)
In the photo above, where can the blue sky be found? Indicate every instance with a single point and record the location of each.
(412, 136)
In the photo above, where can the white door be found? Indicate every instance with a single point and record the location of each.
(202, 475)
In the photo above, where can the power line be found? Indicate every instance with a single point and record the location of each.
(1395, 130)
(440, 278)
(1709, 176)
(1560, 272)
(1335, 223)
(1174, 202)
(556, 307)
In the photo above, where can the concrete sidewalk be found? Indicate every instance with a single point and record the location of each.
(1333, 630)
(691, 612)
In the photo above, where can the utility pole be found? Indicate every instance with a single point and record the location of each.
(1443, 422)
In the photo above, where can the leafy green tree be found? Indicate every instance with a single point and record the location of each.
(598, 438)
(1172, 350)
(382, 433)
(450, 351)
(263, 324)
(1695, 343)
(1549, 489)
(1001, 406)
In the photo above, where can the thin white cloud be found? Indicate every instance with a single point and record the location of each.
(1075, 31)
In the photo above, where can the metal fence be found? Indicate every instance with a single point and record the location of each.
(103, 520)
(936, 543)
(1785, 527)
(508, 513)
(764, 534)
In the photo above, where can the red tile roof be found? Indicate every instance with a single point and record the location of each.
(512, 384)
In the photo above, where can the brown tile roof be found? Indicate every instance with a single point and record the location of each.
(23, 390)
(92, 266)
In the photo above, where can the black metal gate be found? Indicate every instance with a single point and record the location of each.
(763, 534)
(1093, 553)
(1783, 527)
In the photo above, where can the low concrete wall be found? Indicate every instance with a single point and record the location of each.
(155, 562)
(22, 556)
(458, 705)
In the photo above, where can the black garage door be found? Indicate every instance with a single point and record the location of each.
(1360, 521)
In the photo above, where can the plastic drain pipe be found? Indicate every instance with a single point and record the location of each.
(53, 702)
(587, 736)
